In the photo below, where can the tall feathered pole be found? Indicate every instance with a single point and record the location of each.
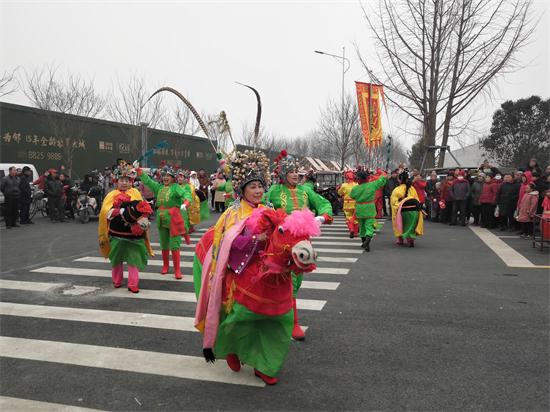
(189, 106)
(258, 113)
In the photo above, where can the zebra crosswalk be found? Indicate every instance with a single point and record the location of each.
(79, 294)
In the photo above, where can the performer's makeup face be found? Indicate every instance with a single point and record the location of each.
(292, 178)
(181, 179)
(167, 179)
(254, 192)
(123, 184)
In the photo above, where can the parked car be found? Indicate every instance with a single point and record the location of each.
(5, 167)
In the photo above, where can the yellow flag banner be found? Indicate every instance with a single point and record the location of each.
(370, 98)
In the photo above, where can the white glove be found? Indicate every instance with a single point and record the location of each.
(320, 219)
(183, 207)
(135, 164)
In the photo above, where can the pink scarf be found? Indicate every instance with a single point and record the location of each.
(210, 297)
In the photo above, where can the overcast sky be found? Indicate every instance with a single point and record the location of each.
(201, 48)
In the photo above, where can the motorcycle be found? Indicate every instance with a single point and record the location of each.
(331, 195)
(87, 204)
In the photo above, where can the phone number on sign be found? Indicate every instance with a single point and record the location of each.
(44, 155)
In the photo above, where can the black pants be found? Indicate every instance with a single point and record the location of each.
(459, 206)
(476, 212)
(488, 215)
(507, 221)
(56, 208)
(526, 228)
(213, 193)
(445, 214)
(220, 206)
(11, 210)
(24, 211)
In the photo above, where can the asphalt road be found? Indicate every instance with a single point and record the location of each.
(444, 326)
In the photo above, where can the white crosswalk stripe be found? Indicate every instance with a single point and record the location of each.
(155, 363)
(60, 270)
(10, 404)
(332, 247)
(308, 304)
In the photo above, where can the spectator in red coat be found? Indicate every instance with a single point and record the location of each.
(419, 185)
(447, 199)
(41, 181)
(526, 178)
(527, 209)
(488, 201)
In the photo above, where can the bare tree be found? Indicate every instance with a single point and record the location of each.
(268, 142)
(74, 96)
(8, 83)
(437, 56)
(128, 104)
(180, 120)
(338, 126)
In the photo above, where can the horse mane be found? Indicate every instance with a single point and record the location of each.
(302, 223)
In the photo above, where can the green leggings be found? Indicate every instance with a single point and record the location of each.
(167, 241)
(366, 227)
(297, 279)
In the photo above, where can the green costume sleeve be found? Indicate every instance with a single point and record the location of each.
(185, 193)
(354, 194)
(150, 183)
(380, 182)
(318, 203)
(267, 196)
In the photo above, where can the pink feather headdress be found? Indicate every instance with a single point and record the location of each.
(302, 223)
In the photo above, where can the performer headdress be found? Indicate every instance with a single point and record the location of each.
(124, 170)
(168, 170)
(249, 166)
(285, 163)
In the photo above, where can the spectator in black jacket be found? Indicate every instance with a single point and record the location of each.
(460, 190)
(54, 191)
(507, 200)
(533, 166)
(391, 184)
(11, 191)
(26, 195)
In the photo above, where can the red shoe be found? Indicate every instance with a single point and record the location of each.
(399, 241)
(233, 362)
(176, 262)
(297, 332)
(165, 262)
(117, 285)
(410, 242)
(269, 380)
(133, 289)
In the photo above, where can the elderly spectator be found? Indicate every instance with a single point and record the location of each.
(527, 209)
(432, 192)
(219, 195)
(460, 191)
(194, 179)
(475, 193)
(54, 192)
(533, 166)
(10, 188)
(507, 200)
(447, 199)
(26, 196)
(487, 168)
(488, 201)
(41, 181)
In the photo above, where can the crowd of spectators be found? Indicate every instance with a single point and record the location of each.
(488, 198)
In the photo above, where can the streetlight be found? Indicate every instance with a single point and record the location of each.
(344, 70)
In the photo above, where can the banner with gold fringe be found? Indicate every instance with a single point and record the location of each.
(370, 98)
